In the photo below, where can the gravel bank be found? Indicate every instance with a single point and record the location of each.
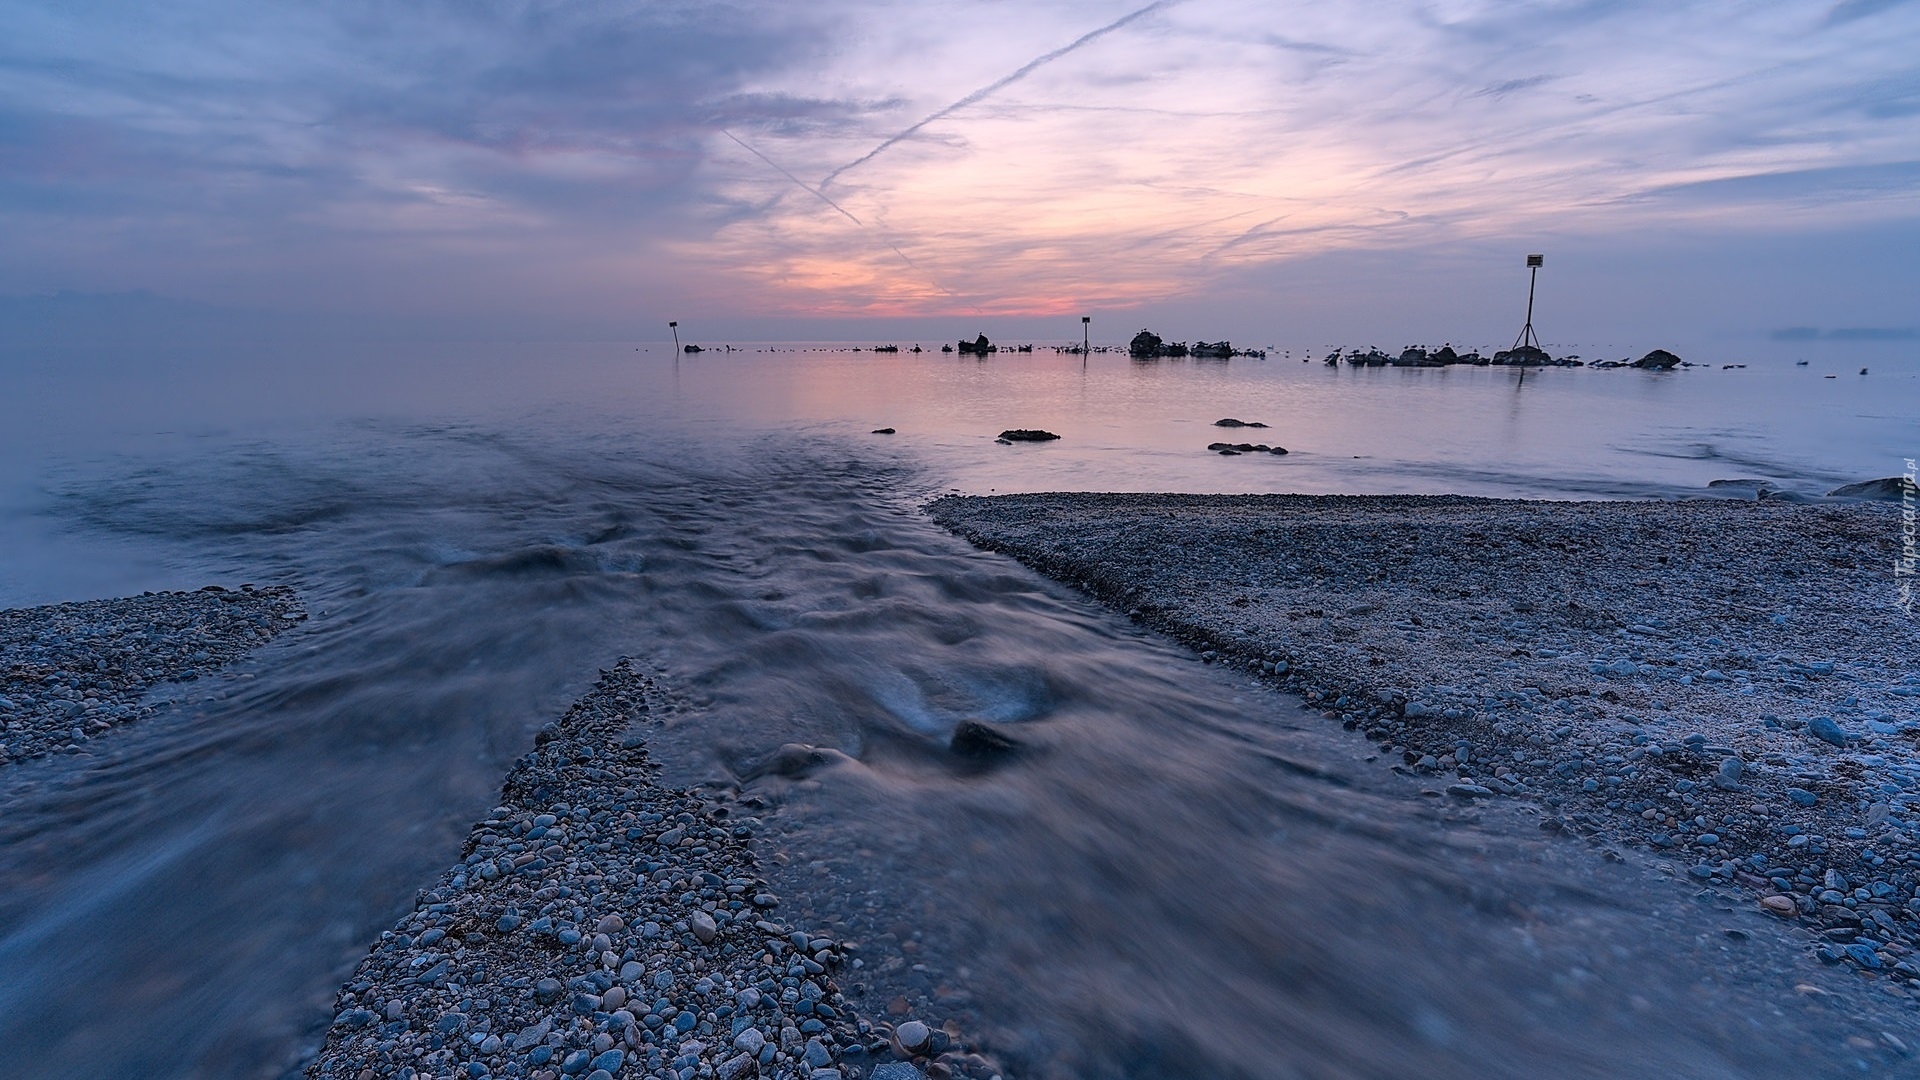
(603, 925)
(1729, 683)
(70, 673)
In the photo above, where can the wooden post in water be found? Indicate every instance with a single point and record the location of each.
(1527, 336)
(674, 326)
(1086, 338)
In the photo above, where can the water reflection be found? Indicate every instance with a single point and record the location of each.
(1176, 876)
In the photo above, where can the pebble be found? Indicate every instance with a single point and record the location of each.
(1824, 729)
(1780, 904)
(703, 926)
(913, 1035)
(696, 994)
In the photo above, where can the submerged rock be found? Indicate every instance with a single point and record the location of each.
(973, 739)
(1658, 360)
(1231, 422)
(1014, 435)
(1885, 489)
(1756, 488)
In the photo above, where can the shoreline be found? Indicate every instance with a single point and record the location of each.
(1746, 710)
(74, 672)
(600, 924)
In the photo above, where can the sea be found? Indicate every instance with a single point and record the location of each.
(476, 530)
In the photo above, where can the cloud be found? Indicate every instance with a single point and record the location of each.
(1502, 89)
(1896, 179)
(608, 155)
(1855, 333)
(1847, 11)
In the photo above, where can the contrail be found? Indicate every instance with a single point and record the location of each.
(801, 184)
(844, 212)
(1029, 68)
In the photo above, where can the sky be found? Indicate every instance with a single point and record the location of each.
(1358, 172)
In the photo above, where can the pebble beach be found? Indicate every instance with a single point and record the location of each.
(1731, 685)
(1721, 685)
(75, 672)
(602, 924)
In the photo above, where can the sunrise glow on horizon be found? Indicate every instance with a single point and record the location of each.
(865, 160)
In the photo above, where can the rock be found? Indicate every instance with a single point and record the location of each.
(1886, 489)
(1802, 797)
(734, 1068)
(796, 761)
(1145, 344)
(1727, 778)
(979, 346)
(1864, 956)
(703, 926)
(973, 739)
(1824, 729)
(548, 991)
(913, 1035)
(1658, 360)
(749, 1041)
(1027, 435)
(1524, 356)
(896, 1070)
(883, 431)
(1754, 488)
(1780, 904)
(1469, 791)
(1231, 422)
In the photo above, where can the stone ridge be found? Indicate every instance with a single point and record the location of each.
(70, 673)
(1728, 683)
(602, 925)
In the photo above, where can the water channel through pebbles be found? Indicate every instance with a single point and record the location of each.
(1128, 863)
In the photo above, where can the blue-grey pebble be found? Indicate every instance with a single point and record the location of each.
(1824, 729)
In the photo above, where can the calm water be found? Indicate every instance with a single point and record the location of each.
(1160, 891)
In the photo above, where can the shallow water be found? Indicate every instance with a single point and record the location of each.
(1182, 874)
